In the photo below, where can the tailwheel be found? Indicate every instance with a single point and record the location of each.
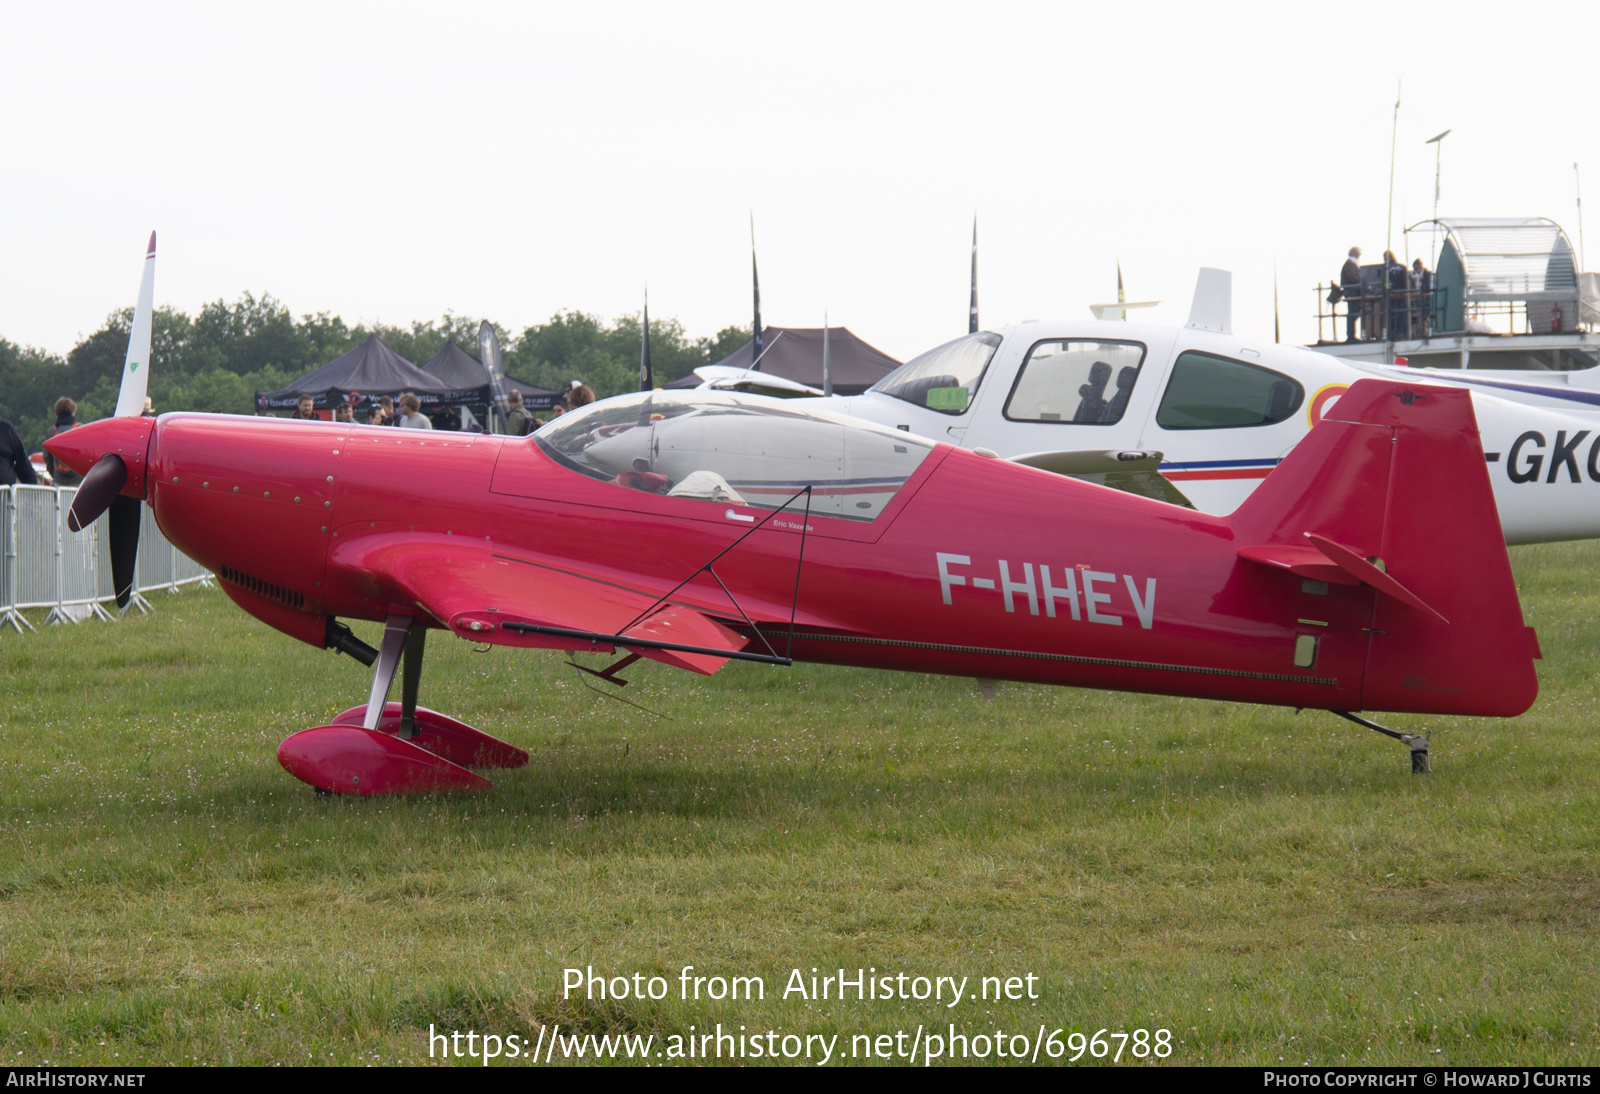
(395, 748)
(1417, 743)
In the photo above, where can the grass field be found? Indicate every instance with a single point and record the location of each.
(1266, 886)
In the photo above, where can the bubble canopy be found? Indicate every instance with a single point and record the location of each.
(736, 450)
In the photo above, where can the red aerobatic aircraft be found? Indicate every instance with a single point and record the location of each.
(1368, 572)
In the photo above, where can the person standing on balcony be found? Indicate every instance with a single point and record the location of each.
(1398, 283)
(1350, 286)
(1421, 297)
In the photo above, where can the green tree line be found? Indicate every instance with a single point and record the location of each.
(218, 359)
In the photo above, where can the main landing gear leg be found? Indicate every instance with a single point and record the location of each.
(395, 632)
(395, 748)
(410, 677)
(1418, 744)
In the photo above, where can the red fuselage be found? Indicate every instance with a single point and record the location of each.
(977, 567)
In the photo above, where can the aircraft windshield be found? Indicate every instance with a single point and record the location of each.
(946, 377)
(736, 450)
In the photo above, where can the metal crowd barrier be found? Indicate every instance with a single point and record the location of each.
(43, 564)
(77, 568)
(8, 568)
(34, 563)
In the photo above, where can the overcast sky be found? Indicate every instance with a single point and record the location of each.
(390, 161)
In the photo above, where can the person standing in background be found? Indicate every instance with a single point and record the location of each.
(411, 413)
(66, 418)
(579, 394)
(517, 418)
(14, 465)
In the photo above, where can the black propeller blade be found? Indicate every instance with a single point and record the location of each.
(100, 487)
(124, 546)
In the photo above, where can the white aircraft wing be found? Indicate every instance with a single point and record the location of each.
(1130, 472)
(724, 378)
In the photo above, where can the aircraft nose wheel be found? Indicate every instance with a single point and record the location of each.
(1418, 743)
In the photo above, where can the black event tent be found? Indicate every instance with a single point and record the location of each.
(370, 370)
(458, 368)
(795, 353)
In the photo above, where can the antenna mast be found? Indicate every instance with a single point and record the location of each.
(1394, 134)
(1577, 179)
(1438, 145)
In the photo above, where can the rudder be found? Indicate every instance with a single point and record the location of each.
(1393, 484)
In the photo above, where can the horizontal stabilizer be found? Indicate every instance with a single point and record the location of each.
(1303, 561)
(1327, 561)
(1130, 472)
(1100, 310)
(1359, 567)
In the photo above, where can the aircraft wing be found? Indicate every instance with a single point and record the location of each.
(727, 378)
(1131, 472)
(499, 599)
(1100, 310)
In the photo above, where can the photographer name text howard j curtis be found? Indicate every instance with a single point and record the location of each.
(1495, 1079)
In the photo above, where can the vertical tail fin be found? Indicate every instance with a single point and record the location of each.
(1390, 492)
(646, 378)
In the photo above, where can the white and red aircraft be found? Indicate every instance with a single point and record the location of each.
(1111, 401)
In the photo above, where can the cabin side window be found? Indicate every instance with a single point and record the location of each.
(1210, 392)
(946, 378)
(1075, 381)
